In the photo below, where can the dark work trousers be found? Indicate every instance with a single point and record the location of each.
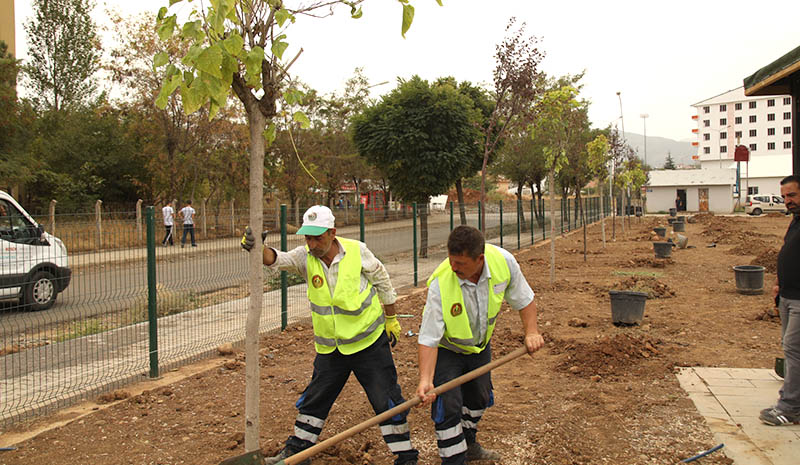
(789, 400)
(168, 235)
(188, 229)
(374, 369)
(456, 412)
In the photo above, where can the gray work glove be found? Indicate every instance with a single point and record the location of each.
(249, 240)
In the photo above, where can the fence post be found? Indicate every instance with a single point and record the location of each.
(519, 224)
(53, 203)
(532, 218)
(205, 229)
(99, 223)
(480, 222)
(284, 275)
(152, 302)
(233, 214)
(361, 222)
(451, 215)
(139, 220)
(544, 217)
(414, 221)
(501, 224)
(562, 215)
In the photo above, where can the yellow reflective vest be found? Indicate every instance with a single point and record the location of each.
(348, 320)
(458, 335)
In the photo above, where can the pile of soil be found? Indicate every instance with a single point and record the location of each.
(768, 258)
(650, 262)
(647, 284)
(607, 357)
(776, 215)
(756, 247)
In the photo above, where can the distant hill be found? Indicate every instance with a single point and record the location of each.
(658, 147)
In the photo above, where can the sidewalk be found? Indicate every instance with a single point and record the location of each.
(730, 399)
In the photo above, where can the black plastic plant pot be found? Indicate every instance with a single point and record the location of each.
(627, 307)
(678, 226)
(662, 249)
(661, 231)
(749, 279)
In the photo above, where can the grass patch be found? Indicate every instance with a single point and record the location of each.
(274, 281)
(82, 328)
(652, 274)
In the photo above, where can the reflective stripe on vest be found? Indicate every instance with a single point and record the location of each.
(458, 335)
(350, 320)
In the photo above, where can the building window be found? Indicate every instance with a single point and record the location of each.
(723, 107)
(787, 129)
(723, 121)
(723, 135)
(787, 100)
(787, 115)
(752, 105)
(706, 150)
(706, 136)
(753, 147)
(738, 106)
(770, 131)
(738, 120)
(753, 133)
(723, 149)
(770, 145)
(706, 123)
(770, 116)
(771, 102)
(738, 134)
(787, 144)
(751, 190)
(752, 118)
(706, 109)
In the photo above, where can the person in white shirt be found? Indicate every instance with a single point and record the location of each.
(169, 223)
(187, 214)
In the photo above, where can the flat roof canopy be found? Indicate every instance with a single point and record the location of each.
(776, 77)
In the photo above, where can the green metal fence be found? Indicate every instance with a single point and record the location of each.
(135, 307)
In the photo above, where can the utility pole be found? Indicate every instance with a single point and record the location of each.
(644, 121)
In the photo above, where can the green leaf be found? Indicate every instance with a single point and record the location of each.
(229, 67)
(191, 98)
(301, 118)
(169, 86)
(252, 65)
(193, 30)
(191, 55)
(210, 61)
(293, 96)
(282, 15)
(167, 27)
(233, 44)
(279, 46)
(356, 13)
(162, 12)
(408, 18)
(161, 59)
(439, 2)
(270, 133)
(172, 2)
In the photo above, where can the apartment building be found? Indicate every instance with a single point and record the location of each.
(763, 124)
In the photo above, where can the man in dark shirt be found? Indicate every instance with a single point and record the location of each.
(787, 293)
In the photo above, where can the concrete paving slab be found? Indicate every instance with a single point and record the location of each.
(730, 400)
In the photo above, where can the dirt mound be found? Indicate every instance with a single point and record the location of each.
(650, 285)
(651, 262)
(608, 356)
(756, 247)
(776, 214)
(768, 314)
(702, 218)
(768, 258)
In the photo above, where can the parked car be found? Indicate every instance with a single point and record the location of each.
(761, 203)
(34, 267)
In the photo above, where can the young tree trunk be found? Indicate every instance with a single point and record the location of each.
(423, 230)
(520, 206)
(602, 215)
(462, 209)
(579, 200)
(552, 227)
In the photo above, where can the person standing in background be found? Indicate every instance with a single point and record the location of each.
(169, 223)
(187, 214)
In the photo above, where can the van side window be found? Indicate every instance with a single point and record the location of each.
(777, 199)
(15, 227)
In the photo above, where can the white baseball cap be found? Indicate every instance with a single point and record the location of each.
(316, 220)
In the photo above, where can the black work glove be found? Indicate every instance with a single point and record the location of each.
(249, 240)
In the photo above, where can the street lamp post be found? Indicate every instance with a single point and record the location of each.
(644, 121)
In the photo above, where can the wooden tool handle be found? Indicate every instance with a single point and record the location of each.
(311, 451)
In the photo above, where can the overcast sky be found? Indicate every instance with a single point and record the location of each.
(662, 57)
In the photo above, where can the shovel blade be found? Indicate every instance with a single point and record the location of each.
(250, 458)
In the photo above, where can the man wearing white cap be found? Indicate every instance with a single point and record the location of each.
(352, 333)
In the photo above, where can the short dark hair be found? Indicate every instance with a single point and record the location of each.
(465, 240)
(791, 178)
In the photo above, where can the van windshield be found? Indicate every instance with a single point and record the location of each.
(14, 226)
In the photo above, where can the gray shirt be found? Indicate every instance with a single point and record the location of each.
(372, 270)
(476, 302)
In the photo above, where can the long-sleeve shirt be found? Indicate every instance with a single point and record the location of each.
(476, 302)
(789, 262)
(372, 270)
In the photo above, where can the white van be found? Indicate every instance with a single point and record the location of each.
(33, 263)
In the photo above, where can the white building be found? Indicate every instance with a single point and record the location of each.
(709, 189)
(763, 124)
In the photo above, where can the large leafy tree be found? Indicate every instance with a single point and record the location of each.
(598, 156)
(15, 120)
(422, 137)
(521, 160)
(63, 50)
(239, 46)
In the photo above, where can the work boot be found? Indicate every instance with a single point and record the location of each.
(774, 417)
(283, 455)
(476, 452)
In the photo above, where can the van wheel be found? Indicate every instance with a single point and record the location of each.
(757, 211)
(40, 293)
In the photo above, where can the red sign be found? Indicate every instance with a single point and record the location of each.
(695, 157)
(742, 153)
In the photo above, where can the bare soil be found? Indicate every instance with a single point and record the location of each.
(595, 394)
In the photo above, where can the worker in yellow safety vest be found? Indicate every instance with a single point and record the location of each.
(352, 333)
(464, 297)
